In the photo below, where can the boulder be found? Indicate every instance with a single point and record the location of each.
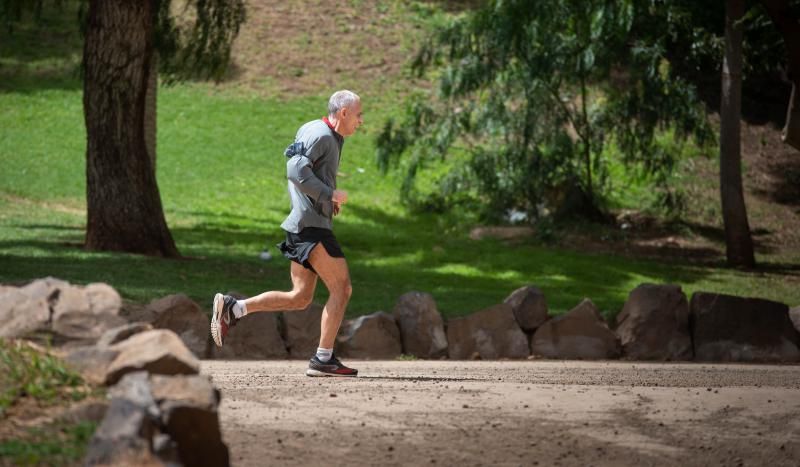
(159, 351)
(421, 326)
(654, 324)
(488, 334)
(47, 288)
(374, 336)
(301, 331)
(22, 314)
(125, 434)
(254, 337)
(736, 329)
(120, 333)
(85, 313)
(580, 333)
(189, 416)
(529, 307)
(91, 362)
(183, 316)
(794, 315)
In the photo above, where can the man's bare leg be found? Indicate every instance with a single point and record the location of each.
(336, 277)
(304, 281)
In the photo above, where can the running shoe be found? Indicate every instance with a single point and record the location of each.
(332, 367)
(222, 317)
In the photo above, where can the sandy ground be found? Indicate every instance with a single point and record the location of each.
(510, 413)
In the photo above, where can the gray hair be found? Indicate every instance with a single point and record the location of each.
(341, 99)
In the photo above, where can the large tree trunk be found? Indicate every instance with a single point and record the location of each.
(123, 202)
(786, 21)
(150, 105)
(739, 244)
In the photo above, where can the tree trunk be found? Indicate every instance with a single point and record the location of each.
(123, 202)
(150, 113)
(739, 244)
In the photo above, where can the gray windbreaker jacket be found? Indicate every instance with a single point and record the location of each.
(311, 170)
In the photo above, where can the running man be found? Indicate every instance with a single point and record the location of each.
(311, 169)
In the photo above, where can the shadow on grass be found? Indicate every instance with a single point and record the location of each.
(388, 255)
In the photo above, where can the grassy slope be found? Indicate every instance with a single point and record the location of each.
(221, 175)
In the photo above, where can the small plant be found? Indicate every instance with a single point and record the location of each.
(406, 358)
(28, 372)
(53, 445)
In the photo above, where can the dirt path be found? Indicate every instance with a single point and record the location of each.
(510, 413)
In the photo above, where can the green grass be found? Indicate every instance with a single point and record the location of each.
(60, 444)
(221, 176)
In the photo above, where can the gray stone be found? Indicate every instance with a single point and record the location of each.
(85, 313)
(91, 362)
(120, 333)
(421, 326)
(159, 351)
(654, 324)
(736, 329)
(180, 314)
(579, 334)
(301, 331)
(488, 334)
(22, 314)
(529, 306)
(374, 336)
(254, 337)
(124, 437)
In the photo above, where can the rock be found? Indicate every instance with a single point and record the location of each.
(85, 313)
(374, 336)
(580, 333)
(91, 362)
(120, 333)
(529, 307)
(188, 406)
(88, 410)
(421, 326)
(47, 289)
(654, 324)
(301, 331)
(22, 314)
(794, 315)
(253, 337)
(488, 334)
(735, 329)
(181, 315)
(158, 351)
(124, 436)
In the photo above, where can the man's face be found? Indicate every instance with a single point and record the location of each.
(350, 118)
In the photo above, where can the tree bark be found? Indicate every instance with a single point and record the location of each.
(150, 113)
(739, 244)
(124, 211)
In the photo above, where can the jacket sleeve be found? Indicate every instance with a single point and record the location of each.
(298, 170)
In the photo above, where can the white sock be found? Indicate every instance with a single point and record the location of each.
(324, 355)
(240, 309)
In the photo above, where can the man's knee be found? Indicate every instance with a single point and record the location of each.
(301, 299)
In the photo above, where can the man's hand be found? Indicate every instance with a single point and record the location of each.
(338, 199)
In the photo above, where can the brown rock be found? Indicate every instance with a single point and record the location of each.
(158, 351)
(183, 316)
(529, 306)
(301, 331)
(580, 333)
(728, 328)
(491, 333)
(421, 326)
(120, 333)
(374, 336)
(85, 313)
(254, 337)
(794, 315)
(654, 324)
(91, 362)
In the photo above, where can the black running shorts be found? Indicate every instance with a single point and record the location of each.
(297, 246)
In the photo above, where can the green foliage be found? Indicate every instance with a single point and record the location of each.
(527, 99)
(56, 445)
(27, 372)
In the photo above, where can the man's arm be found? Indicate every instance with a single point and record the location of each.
(298, 169)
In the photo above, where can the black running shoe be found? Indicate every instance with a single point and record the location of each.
(222, 317)
(332, 367)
